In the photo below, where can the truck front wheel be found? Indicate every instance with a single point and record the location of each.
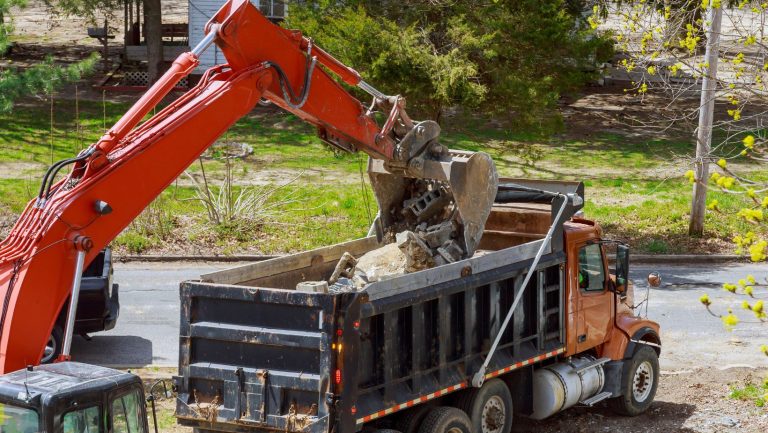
(489, 407)
(638, 383)
(446, 420)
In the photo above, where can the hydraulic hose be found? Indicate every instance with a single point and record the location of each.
(53, 170)
(289, 95)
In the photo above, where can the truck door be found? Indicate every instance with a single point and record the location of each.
(595, 301)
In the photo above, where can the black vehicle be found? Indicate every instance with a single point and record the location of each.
(71, 397)
(97, 308)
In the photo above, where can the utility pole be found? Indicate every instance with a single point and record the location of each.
(706, 114)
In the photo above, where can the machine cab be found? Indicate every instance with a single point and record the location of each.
(71, 397)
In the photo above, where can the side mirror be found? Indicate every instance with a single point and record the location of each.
(654, 279)
(622, 267)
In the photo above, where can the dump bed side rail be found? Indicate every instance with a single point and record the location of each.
(418, 345)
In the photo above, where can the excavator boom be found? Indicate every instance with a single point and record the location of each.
(419, 184)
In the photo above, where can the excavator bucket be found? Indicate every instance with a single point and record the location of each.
(474, 182)
(445, 198)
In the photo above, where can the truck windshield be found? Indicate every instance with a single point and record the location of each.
(15, 419)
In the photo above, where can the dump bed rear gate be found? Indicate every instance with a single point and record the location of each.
(263, 355)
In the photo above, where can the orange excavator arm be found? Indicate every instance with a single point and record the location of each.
(112, 181)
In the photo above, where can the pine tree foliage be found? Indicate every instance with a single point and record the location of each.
(44, 78)
(510, 58)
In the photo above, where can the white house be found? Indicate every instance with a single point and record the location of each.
(200, 11)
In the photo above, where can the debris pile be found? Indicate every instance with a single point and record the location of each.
(423, 227)
(413, 251)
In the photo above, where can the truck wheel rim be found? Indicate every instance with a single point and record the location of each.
(50, 349)
(643, 382)
(493, 415)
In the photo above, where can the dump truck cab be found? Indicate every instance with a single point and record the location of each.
(71, 397)
(600, 298)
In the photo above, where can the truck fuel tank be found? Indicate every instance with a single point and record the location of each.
(560, 386)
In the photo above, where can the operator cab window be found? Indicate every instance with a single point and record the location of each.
(81, 421)
(15, 419)
(126, 414)
(591, 271)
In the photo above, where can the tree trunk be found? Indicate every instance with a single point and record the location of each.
(706, 114)
(154, 37)
(3, 36)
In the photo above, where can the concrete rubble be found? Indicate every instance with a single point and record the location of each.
(423, 248)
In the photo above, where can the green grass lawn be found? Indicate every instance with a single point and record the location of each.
(634, 189)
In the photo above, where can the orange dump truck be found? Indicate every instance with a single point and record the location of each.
(534, 323)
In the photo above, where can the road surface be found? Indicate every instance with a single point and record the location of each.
(147, 330)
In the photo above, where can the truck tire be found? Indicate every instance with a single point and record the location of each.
(53, 346)
(638, 383)
(446, 420)
(489, 407)
(410, 420)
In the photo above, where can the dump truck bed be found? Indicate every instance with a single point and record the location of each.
(256, 354)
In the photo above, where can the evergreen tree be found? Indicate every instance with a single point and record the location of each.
(512, 58)
(39, 79)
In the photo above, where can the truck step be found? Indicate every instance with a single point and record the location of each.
(596, 398)
(592, 364)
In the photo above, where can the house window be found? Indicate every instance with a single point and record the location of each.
(273, 8)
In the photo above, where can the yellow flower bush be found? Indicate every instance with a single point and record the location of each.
(749, 142)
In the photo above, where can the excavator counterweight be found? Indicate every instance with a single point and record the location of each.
(422, 187)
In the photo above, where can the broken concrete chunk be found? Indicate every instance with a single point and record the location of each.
(418, 255)
(345, 268)
(343, 285)
(437, 235)
(450, 251)
(429, 204)
(381, 263)
(313, 286)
